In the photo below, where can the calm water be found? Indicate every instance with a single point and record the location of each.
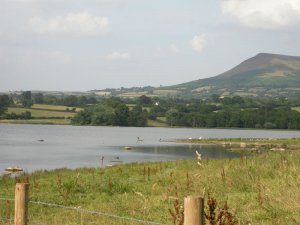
(71, 146)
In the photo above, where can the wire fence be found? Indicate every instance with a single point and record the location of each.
(43, 213)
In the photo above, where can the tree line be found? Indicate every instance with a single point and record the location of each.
(233, 112)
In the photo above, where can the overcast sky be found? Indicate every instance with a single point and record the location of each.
(82, 45)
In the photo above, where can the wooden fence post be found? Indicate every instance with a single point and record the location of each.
(194, 211)
(21, 203)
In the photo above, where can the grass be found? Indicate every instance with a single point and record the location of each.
(41, 113)
(296, 108)
(156, 123)
(165, 92)
(39, 121)
(282, 142)
(54, 107)
(263, 189)
(136, 94)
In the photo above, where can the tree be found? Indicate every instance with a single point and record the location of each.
(82, 118)
(102, 115)
(121, 115)
(171, 116)
(137, 117)
(144, 100)
(4, 103)
(71, 100)
(26, 99)
(38, 98)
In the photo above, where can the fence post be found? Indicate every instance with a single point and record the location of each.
(194, 211)
(21, 203)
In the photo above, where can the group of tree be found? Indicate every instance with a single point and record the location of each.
(281, 118)
(5, 101)
(111, 112)
(233, 112)
(236, 112)
(66, 100)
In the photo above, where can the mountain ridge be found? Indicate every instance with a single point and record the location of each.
(264, 70)
(263, 75)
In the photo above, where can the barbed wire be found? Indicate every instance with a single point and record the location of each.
(7, 199)
(6, 219)
(79, 209)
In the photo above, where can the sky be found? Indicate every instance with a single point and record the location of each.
(81, 45)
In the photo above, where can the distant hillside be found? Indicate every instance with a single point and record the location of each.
(262, 74)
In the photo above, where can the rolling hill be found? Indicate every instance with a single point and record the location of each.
(263, 74)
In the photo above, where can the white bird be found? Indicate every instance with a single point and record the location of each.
(198, 156)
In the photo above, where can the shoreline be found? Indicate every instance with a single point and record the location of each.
(250, 144)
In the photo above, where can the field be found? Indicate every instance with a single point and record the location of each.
(54, 107)
(261, 189)
(39, 121)
(296, 108)
(41, 112)
(165, 92)
(156, 123)
(135, 94)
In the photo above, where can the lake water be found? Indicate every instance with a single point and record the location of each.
(74, 146)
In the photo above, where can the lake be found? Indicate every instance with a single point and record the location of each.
(80, 146)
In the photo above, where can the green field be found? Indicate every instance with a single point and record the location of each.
(296, 108)
(262, 190)
(156, 123)
(135, 94)
(54, 107)
(165, 92)
(41, 112)
(39, 121)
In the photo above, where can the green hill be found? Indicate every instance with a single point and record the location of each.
(262, 74)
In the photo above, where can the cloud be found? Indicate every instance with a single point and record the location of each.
(80, 23)
(173, 48)
(263, 13)
(198, 42)
(118, 56)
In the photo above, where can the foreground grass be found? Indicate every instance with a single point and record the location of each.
(264, 189)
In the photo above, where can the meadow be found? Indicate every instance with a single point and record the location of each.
(260, 189)
(41, 113)
(39, 121)
(55, 107)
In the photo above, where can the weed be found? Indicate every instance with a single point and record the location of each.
(221, 216)
(223, 175)
(177, 213)
(188, 181)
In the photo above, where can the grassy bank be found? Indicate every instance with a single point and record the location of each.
(264, 189)
(248, 144)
